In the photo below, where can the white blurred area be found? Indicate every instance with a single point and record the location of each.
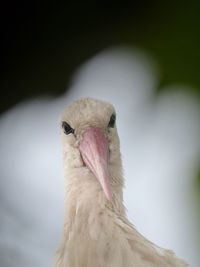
(160, 146)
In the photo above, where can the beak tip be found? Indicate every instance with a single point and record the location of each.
(108, 195)
(109, 198)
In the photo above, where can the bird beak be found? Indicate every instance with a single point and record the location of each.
(94, 151)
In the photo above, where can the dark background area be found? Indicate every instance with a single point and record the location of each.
(42, 43)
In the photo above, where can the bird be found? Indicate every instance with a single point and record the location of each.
(96, 231)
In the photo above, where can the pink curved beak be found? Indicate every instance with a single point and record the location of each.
(94, 151)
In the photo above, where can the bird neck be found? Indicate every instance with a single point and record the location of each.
(83, 191)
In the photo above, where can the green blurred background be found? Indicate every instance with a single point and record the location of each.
(44, 42)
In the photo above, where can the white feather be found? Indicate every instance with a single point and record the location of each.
(96, 232)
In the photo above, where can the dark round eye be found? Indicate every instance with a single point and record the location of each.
(67, 128)
(111, 123)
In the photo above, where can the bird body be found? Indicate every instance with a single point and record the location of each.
(96, 231)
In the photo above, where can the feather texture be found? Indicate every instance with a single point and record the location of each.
(96, 231)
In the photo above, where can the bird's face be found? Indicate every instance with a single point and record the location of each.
(90, 139)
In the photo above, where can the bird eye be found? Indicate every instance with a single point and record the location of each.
(67, 128)
(111, 123)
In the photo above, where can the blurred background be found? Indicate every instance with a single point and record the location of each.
(142, 56)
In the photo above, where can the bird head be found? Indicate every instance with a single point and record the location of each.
(90, 140)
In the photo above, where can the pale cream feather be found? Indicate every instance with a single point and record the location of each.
(96, 232)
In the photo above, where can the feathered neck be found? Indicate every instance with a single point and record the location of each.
(83, 191)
